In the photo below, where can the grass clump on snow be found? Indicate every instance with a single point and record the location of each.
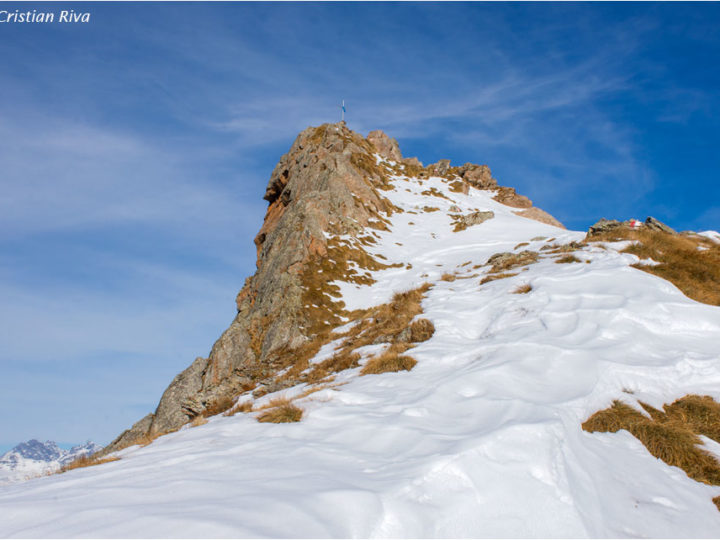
(670, 434)
(568, 259)
(388, 362)
(280, 411)
(523, 289)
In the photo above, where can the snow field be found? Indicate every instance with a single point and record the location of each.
(481, 439)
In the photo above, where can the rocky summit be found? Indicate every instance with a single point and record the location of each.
(423, 353)
(329, 185)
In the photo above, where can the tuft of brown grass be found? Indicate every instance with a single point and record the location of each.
(280, 411)
(493, 277)
(434, 192)
(522, 244)
(388, 362)
(86, 461)
(458, 186)
(147, 438)
(421, 330)
(430, 209)
(338, 362)
(219, 405)
(563, 248)
(568, 259)
(523, 289)
(448, 277)
(244, 407)
(670, 434)
(695, 272)
(198, 421)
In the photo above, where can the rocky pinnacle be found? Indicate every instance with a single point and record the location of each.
(327, 185)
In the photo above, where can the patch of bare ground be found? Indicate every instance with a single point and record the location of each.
(670, 434)
(695, 272)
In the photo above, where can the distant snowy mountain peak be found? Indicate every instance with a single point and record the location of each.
(36, 450)
(34, 458)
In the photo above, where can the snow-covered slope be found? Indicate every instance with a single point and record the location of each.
(34, 458)
(482, 438)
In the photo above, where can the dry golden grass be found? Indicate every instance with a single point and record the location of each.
(338, 362)
(219, 405)
(568, 259)
(434, 192)
(457, 186)
(198, 421)
(430, 209)
(86, 461)
(421, 330)
(522, 244)
(671, 434)
(280, 411)
(493, 277)
(523, 289)
(448, 277)
(563, 248)
(148, 438)
(696, 273)
(387, 362)
(244, 407)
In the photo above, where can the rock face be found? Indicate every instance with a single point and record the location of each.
(657, 225)
(328, 184)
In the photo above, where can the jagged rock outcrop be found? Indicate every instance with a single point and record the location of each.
(328, 185)
(657, 225)
(612, 225)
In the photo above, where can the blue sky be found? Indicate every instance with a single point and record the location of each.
(134, 153)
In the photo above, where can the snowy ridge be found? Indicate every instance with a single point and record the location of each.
(34, 458)
(482, 438)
